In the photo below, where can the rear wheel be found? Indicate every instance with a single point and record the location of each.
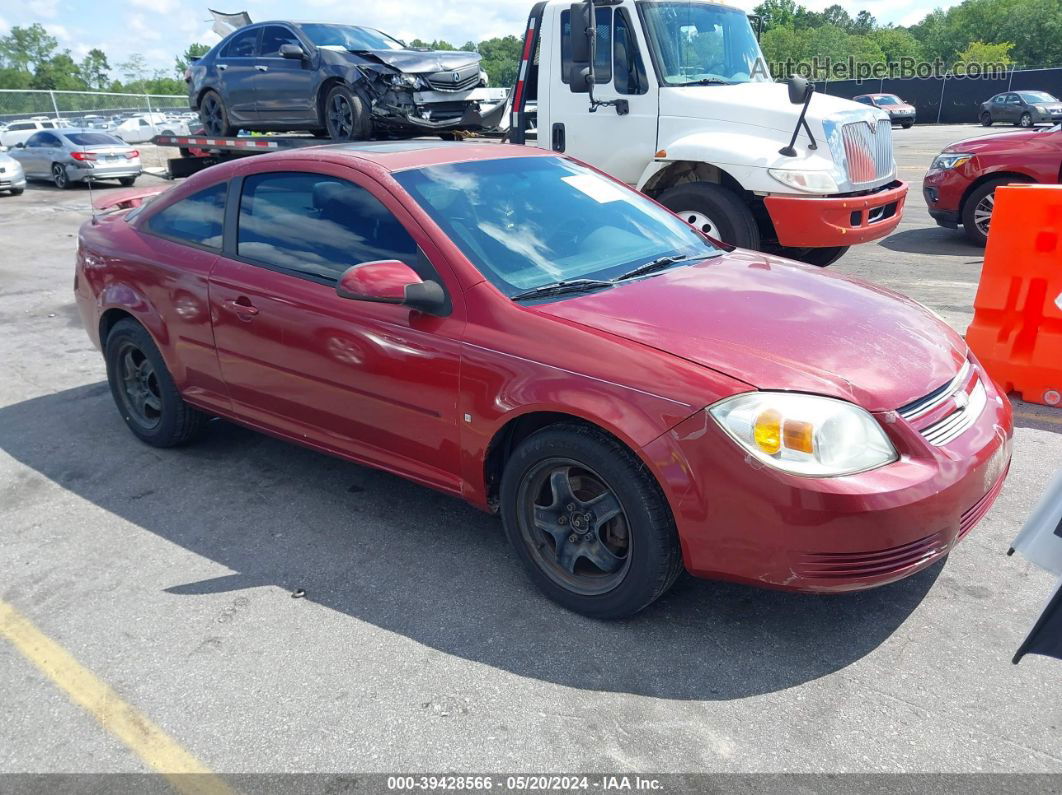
(589, 522)
(977, 210)
(59, 176)
(144, 391)
(1025, 120)
(986, 119)
(715, 211)
(214, 117)
(346, 117)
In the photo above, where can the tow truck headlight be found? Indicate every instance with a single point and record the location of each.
(947, 160)
(810, 181)
(805, 435)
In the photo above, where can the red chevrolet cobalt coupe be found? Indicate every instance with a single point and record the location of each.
(511, 327)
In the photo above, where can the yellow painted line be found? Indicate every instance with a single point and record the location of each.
(156, 748)
(1049, 419)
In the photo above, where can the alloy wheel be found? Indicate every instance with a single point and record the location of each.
(139, 387)
(982, 213)
(1026, 120)
(340, 116)
(574, 526)
(212, 115)
(700, 221)
(59, 176)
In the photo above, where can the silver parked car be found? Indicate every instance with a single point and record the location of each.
(12, 177)
(70, 155)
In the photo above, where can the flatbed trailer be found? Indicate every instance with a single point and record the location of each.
(202, 151)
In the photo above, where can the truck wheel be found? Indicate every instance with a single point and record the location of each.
(214, 117)
(986, 119)
(977, 209)
(815, 256)
(589, 522)
(714, 210)
(346, 117)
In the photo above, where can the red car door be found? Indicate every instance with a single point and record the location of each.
(376, 382)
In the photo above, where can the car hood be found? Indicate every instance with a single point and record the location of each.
(415, 61)
(895, 108)
(995, 142)
(776, 324)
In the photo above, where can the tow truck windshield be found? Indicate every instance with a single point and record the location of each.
(698, 43)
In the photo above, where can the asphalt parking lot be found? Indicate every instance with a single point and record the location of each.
(420, 645)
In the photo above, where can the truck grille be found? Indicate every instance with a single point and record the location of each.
(868, 150)
(456, 79)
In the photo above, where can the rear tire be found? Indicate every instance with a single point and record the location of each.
(576, 482)
(143, 389)
(214, 117)
(715, 211)
(979, 203)
(986, 119)
(60, 177)
(345, 115)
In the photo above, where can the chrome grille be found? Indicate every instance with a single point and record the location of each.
(928, 402)
(868, 151)
(969, 403)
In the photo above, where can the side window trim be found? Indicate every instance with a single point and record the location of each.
(620, 16)
(254, 51)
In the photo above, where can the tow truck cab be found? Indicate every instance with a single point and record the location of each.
(675, 98)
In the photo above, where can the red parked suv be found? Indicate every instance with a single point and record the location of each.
(513, 328)
(960, 186)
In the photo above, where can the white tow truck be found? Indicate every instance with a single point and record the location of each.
(674, 97)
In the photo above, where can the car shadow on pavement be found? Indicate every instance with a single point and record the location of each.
(426, 565)
(933, 240)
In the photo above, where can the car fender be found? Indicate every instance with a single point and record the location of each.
(128, 299)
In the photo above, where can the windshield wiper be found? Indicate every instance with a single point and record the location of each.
(657, 264)
(561, 287)
(709, 81)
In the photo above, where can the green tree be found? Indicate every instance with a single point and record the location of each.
(863, 23)
(58, 73)
(896, 44)
(94, 68)
(26, 48)
(501, 59)
(195, 50)
(836, 16)
(776, 13)
(134, 70)
(978, 52)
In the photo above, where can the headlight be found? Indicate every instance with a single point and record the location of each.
(811, 181)
(805, 434)
(404, 80)
(484, 78)
(948, 160)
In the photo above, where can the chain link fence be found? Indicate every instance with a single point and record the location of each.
(19, 104)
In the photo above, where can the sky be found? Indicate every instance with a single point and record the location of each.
(159, 29)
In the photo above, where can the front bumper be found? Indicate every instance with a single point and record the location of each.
(814, 222)
(903, 117)
(741, 521)
(943, 191)
(12, 181)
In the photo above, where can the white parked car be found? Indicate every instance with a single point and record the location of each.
(146, 126)
(20, 130)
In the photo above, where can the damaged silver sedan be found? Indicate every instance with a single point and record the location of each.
(338, 81)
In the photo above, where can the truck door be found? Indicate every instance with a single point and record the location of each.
(619, 144)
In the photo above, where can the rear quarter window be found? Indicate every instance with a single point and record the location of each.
(197, 220)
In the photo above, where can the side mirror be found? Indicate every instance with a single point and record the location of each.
(799, 89)
(20, 145)
(579, 78)
(582, 27)
(293, 51)
(389, 281)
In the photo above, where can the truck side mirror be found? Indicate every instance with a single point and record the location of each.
(799, 89)
(582, 25)
(579, 78)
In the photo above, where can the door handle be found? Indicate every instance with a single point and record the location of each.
(222, 67)
(243, 307)
(261, 68)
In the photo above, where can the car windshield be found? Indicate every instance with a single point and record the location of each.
(1036, 96)
(888, 99)
(703, 43)
(349, 37)
(530, 221)
(93, 139)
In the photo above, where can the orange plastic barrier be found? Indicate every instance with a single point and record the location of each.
(1017, 326)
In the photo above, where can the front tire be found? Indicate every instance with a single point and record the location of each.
(60, 177)
(214, 117)
(143, 389)
(17, 191)
(986, 119)
(907, 125)
(715, 211)
(346, 117)
(589, 522)
(127, 182)
(1025, 121)
(977, 210)
(819, 257)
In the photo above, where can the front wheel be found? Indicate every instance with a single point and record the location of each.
(17, 191)
(127, 182)
(907, 125)
(60, 177)
(820, 257)
(346, 117)
(1025, 120)
(977, 210)
(986, 119)
(144, 391)
(589, 522)
(715, 211)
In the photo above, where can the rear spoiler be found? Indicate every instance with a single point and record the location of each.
(128, 198)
